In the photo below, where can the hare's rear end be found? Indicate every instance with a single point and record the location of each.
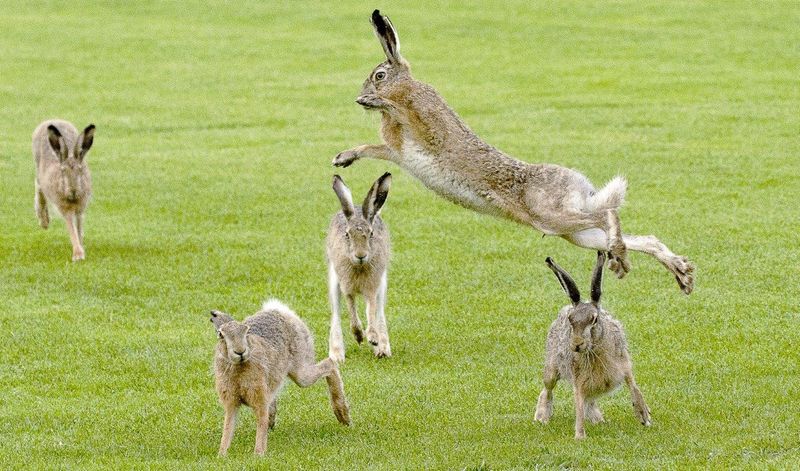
(62, 176)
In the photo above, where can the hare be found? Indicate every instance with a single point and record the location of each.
(252, 360)
(586, 346)
(358, 259)
(62, 176)
(428, 139)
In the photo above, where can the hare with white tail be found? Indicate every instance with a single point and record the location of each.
(252, 360)
(358, 260)
(62, 176)
(423, 135)
(587, 347)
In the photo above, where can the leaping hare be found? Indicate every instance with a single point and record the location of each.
(358, 260)
(429, 140)
(62, 176)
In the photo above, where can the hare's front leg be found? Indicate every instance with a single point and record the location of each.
(77, 248)
(40, 205)
(384, 349)
(335, 340)
(262, 413)
(580, 431)
(544, 407)
(228, 427)
(372, 310)
(367, 151)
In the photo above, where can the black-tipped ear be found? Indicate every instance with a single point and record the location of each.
(597, 277)
(218, 318)
(85, 141)
(57, 142)
(566, 281)
(387, 35)
(345, 197)
(376, 196)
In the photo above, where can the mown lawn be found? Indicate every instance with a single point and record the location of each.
(216, 125)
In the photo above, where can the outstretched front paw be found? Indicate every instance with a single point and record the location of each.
(371, 101)
(345, 158)
(618, 259)
(683, 269)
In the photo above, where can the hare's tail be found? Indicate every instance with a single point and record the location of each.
(610, 196)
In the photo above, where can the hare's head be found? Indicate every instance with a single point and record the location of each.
(73, 167)
(582, 315)
(391, 77)
(360, 221)
(232, 335)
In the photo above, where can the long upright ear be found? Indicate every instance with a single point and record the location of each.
(218, 318)
(597, 277)
(84, 142)
(566, 281)
(345, 197)
(376, 196)
(388, 37)
(57, 142)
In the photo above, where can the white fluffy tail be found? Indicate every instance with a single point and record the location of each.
(610, 196)
(273, 304)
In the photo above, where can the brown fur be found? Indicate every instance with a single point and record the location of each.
(587, 347)
(252, 360)
(358, 250)
(62, 176)
(422, 134)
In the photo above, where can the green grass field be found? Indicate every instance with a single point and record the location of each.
(211, 166)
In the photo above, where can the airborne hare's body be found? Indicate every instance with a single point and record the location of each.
(62, 176)
(428, 139)
(358, 260)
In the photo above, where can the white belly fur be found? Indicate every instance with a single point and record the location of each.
(446, 182)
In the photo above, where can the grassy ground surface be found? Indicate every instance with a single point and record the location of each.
(216, 126)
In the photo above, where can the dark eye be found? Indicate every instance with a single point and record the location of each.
(380, 75)
(347, 235)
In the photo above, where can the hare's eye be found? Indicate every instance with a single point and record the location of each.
(380, 75)
(347, 235)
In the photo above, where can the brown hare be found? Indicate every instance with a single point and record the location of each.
(587, 347)
(358, 258)
(423, 135)
(252, 360)
(62, 176)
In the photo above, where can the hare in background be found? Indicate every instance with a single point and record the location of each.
(62, 176)
(423, 135)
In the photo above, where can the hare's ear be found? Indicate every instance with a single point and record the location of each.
(84, 142)
(345, 197)
(566, 281)
(218, 318)
(597, 277)
(57, 142)
(376, 196)
(387, 35)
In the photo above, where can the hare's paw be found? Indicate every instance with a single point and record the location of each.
(618, 259)
(683, 269)
(336, 353)
(371, 101)
(372, 335)
(383, 350)
(345, 158)
(594, 415)
(78, 254)
(544, 409)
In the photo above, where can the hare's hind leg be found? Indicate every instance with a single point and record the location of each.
(618, 260)
(639, 406)
(341, 409)
(273, 412)
(679, 266)
(40, 206)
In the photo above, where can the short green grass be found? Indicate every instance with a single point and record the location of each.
(216, 126)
